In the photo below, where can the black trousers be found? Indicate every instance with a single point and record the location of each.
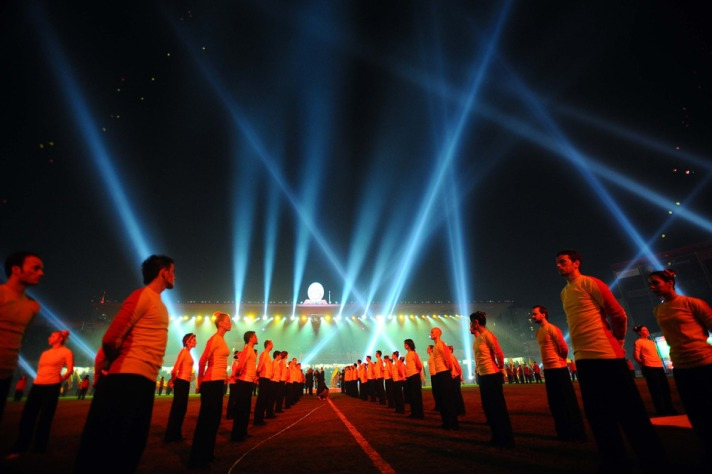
(398, 397)
(495, 408)
(265, 400)
(612, 402)
(695, 389)
(206, 428)
(243, 406)
(279, 397)
(563, 404)
(37, 416)
(231, 401)
(4, 390)
(117, 425)
(659, 388)
(181, 390)
(446, 399)
(390, 393)
(415, 388)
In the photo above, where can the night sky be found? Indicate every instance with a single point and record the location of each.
(378, 142)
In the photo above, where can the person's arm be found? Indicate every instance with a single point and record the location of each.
(638, 353)
(177, 365)
(703, 313)
(497, 352)
(241, 361)
(561, 347)
(418, 363)
(613, 309)
(209, 349)
(69, 363)
(121, 325)
(261, 363)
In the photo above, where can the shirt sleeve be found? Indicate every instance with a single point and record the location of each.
(637, 353)
(497, 353)
(703, 313)
(558, 337)
(209, 349)
(612, 308)
(120, 326)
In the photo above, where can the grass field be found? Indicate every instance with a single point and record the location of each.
(348, 435)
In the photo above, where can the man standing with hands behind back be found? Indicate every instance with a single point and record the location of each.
(119, 419)
(559, 388)
(611, 400)
(17, 310)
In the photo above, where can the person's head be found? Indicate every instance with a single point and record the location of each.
(435, 333)
(568, 263)
(430, 348)
(58, 337)
(358, 362)
(189, 340)
(276, 354)
(159, 266)
(478, 320)
(642, 331)
(379, 354)
(249, 337)
(539, 313)
(268, 345)
(25, 267)
(284, 354)
(662, 282)
(452, 348)
(222, 320)
(395, 354)
(409, 344)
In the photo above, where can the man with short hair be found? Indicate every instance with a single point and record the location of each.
(489, 360)
(444, 374)
(246, 374)
(371, 377)
(559, 389)
(17, 310)
(380, 378)
(611, 400)
(116, 428)
(265, 399)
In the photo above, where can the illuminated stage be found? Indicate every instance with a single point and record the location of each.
(325, 334)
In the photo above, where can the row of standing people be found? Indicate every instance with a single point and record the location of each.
(391, 381)
(396, 380)
(134, 345)
(280, 387)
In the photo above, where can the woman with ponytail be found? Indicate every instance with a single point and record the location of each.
(41, 403)
(181, 375)
(686, 323)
